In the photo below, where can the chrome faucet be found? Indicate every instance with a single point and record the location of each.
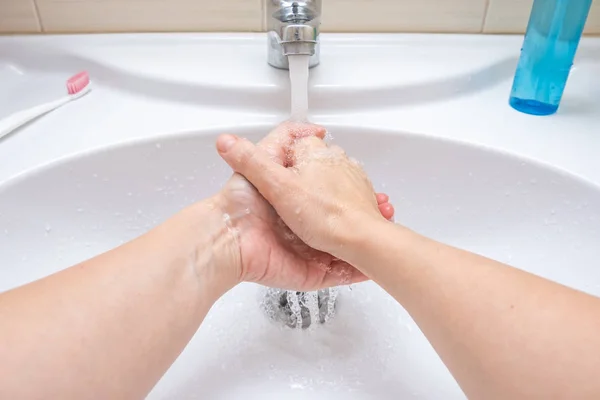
(293, 28)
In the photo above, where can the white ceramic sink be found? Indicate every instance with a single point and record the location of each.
(110, 166)
(517, 211)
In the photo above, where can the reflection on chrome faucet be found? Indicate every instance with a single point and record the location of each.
(293, 29)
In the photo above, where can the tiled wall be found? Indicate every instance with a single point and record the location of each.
(490, 16)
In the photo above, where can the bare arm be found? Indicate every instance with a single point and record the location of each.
(503, 333)
(110, 327)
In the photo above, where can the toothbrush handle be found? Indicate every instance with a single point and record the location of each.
(20, 118)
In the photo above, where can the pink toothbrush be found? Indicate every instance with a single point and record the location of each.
(77, 86)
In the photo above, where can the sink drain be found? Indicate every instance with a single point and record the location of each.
(300, 309)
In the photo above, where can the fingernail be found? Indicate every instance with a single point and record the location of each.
(226, 142)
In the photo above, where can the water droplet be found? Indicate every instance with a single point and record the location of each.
(129, 194)
(139, 212)
(158, 145)
(80, 209)
(95, 175)
(48, 228)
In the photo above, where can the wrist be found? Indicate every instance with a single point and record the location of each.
(352, 236)
(369, 240)
(211, 246)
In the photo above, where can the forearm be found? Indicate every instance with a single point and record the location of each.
(502, 332)
(111, 326)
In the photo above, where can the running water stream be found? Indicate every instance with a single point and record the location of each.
(299, 86)
(302, 309)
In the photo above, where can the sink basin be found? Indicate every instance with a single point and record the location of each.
(514, 210)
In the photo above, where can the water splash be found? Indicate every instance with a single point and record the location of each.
(294, 302)
(300, 310)
(312, 303)
(333, 293)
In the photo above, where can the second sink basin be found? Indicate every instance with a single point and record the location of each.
(514, 210)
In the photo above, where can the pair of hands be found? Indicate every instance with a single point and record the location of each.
(292, 204)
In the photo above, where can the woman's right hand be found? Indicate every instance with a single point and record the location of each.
(322, 195)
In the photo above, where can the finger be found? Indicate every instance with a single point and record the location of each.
(302, 129)
(387, 211)
(337, 149)
(305, 147)
(278, 142)
(382, 198)
(255, 164)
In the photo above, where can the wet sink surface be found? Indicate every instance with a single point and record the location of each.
(511, 209)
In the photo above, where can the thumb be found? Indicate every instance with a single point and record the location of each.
(255, 164)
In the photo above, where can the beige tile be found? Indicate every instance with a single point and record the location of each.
(511, 16)
(149, 15)
(18, 16)
(592, 26)
(507, 16)
(403, 15)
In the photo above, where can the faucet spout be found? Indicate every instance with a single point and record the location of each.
(293, 29)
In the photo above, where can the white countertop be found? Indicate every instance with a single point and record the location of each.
(451, 86)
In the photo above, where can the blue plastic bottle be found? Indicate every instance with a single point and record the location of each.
(553, 34)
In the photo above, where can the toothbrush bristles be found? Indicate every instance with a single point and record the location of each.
(78, 82)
